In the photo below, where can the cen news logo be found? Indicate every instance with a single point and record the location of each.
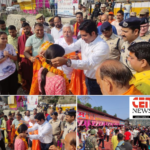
(139, 108)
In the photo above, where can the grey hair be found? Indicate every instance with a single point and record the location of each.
(68, 25)
(32, 117)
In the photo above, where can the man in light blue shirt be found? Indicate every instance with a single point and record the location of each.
(127, 9)
(35, 41)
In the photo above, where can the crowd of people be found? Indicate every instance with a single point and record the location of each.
(104, 54)
(45, 129)
(116, 137)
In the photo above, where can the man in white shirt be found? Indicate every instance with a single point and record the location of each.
(44, 131)
(127, 9)
(107, 134)
(27, 117)
(57, 31)
(94, 50)
(64, 42)
(83, 136)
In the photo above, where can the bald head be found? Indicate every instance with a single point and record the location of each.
(104, 18)
(114, 74)
(70, 141)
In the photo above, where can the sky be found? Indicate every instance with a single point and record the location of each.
(112, 104)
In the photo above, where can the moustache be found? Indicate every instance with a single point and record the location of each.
(66, 36)
(123, 36)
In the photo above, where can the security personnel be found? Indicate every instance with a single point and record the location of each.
(113, 41)
(57, 128)
(103, 9)
(70, 124)
(130, 35)
(71, 108)
(144, 26)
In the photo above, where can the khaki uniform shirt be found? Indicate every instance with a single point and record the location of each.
(118, 28)
(69, 127)
(125, 53)
(114, 43)
(105, 12)
(146, 37)
(61, 117)
(57, 126)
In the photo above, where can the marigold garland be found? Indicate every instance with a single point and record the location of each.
(57, 72)
(23, 139)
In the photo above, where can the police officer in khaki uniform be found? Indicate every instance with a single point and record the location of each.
(130, 35)
(144, 26)
(113, 41)
(70, 124)
(57, 127)
(103, 9)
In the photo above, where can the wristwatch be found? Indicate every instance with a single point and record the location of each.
(68, 63)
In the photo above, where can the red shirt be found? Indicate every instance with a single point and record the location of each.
(100, 134)
(127, 135)
(99, 24)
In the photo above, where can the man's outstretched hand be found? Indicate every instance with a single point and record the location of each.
(59, 61)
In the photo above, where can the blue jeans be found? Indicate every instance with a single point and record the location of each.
(126, 16)
(46, 146)
(83, 146)
(92, 87)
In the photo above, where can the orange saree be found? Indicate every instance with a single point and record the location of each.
(77, 84)
(12, 134)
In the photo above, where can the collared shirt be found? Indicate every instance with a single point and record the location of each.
(68, 127)
(125, 53)
(119, 144)
(44, 132)
(113, 28)
(49, 118)
(61, 117)
(146, 37)
(67, 70)
(13, 41)
(116, 24)
(114, 43)
(57, 126)
(36, 42)
(56, 34)
(26, 118)
(141, 81)
(92, 55)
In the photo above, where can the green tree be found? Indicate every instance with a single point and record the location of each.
(115, 115)
(99, 108)
(104, 111)
(78, 101)
(88, 105)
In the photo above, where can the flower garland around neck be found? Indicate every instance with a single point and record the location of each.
(57, 72)
(23, 139)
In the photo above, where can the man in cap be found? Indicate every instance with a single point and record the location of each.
(51, 22)
(144, 26)
(93, 140)
(22, 20)
(130, 35)
(57, 128)
(111, 17)
(85, 12)
(127, 8)
(112, 40)
(104, 18)
(70, 125)
(133, 14)
(109, 8)
(34, 42)
(144, 13)
(40, 19)
(120, 16)
(95, 12)
(103, 9)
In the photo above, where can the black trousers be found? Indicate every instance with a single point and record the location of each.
(9, 85)
(107, 138)
(2, 144)
(101, 140)
(135, 140)
(144, 146)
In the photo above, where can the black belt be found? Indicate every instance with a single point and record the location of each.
(91, 79)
